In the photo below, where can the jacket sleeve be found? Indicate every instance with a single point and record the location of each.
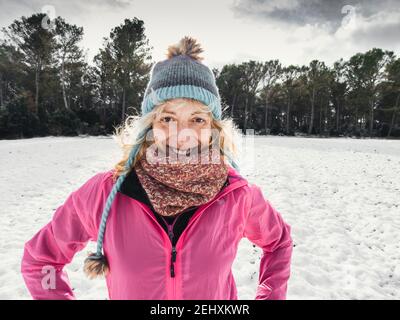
(265, 228)
(55, 244)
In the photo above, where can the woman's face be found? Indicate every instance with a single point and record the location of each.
(182, 125)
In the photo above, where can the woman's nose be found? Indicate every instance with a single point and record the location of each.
(185, 135)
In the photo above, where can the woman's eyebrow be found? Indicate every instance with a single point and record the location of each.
(170, 112)
(193, 113)
(199, 112)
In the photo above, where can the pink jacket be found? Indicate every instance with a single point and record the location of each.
(139, 250)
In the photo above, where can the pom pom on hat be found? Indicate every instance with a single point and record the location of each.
(187, 46)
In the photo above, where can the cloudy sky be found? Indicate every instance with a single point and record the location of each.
(294, 31)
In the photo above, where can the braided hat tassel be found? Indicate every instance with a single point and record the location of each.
(96, 264)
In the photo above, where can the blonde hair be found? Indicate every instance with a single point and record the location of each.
(127, 135)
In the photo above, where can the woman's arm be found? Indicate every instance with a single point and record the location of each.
(54, 245)
(265, 228)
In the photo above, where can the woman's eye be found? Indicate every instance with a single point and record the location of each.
(199, 120)
(166, 119)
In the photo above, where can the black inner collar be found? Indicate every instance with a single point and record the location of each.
(132, 187)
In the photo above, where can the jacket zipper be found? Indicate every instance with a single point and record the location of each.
(191, 221)
(173, 249)
(171, 238)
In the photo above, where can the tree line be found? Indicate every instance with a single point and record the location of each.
(47, 87)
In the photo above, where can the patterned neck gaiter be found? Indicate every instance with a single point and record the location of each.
(175, 182)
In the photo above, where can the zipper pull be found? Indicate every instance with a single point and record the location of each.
(173, 254)
(173, 259)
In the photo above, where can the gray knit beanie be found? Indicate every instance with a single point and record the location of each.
(182, 75)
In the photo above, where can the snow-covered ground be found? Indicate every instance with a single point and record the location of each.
(340, 196)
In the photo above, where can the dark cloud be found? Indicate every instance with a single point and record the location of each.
(327, 13)
(15, 9)
(385, 34)
(41, 3)
(11, 10)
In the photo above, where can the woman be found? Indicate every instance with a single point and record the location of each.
(168, 218)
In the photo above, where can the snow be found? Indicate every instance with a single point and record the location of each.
(341, 197)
